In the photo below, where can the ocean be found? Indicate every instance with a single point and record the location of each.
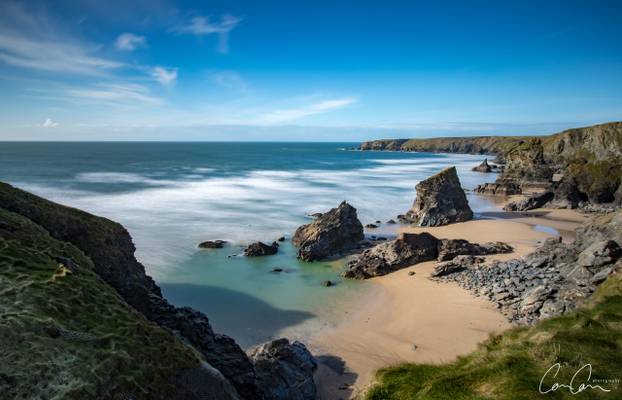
(171, 196)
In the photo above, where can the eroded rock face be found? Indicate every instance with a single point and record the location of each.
(440, 201)
(337, 230)
(259, 249)
(457, 264)
(413, 248)
(499, 188)
(285, 370)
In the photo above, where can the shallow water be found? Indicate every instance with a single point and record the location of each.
(172, 196)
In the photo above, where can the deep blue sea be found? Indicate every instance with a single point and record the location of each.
(171, 196)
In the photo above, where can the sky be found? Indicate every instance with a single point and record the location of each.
(305, 70)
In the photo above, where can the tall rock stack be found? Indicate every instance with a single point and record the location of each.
(440, 201)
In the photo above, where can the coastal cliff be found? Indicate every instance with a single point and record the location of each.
(75, 295)
(582, 165)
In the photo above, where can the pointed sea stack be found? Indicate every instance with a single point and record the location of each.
(440, 201)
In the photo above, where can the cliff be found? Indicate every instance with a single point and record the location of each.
(74, 274)
(588, 160)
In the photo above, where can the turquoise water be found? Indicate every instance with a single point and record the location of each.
(172, 196)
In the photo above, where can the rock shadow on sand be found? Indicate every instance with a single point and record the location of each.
(255, 320)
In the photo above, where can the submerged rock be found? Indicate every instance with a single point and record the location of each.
(371, 226)
(285, 370)
(259, 249)
(440, 201)
(483, 167)
(337, 230)
(212, 244)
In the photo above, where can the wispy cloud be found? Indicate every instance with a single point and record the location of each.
(201, 26)
(228, 80)
(164, 76)
(48, 123)
(55, 56)
(129, 42)
(116, 93)
(293, 114)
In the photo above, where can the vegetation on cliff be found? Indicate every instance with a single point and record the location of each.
(66, 334)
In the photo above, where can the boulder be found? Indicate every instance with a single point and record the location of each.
(599, 254)
(529, 203)
(451, 248)
(285, 370)
(483, 167)
(407, 249)
(259, 249)
(337, 230)
(504, 188)
(457, 264)
(212, 244)
(440, 201)
(371, 226)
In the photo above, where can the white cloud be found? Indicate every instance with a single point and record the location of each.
(292, 114)
(228, 80)
(116, 93)
(48, 123)
(129, 42)
(164, 76)
(201, 26)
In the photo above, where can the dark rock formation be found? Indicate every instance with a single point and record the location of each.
(483, 167)
(413, 248)
(111, 250)
(371, 226)
(337, 230)
(440, 201)
(328, 283)
(391, 221)
(285, 370)
(407, 249)
(554, 279)
(212, 244)
(259, 249)
(529, 203)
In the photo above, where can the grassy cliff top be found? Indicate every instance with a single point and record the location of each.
(66, 334)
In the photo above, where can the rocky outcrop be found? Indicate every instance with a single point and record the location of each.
(589, 158)
(335, 231)
(529, 203)
(440, 201)
(259, 249)
(458, 264)
(412, 248)
(451, 248)
(483, 167)
(554, 279)
(406, 250)
(504, 188)
(109, 246)
(285, 369)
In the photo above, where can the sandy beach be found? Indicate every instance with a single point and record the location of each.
(414, 319)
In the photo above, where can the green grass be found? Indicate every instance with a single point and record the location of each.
(511, 365)
(107, 349)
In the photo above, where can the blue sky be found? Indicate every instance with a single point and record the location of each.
(305, 70)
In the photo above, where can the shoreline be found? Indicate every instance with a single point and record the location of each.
(442, 320)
